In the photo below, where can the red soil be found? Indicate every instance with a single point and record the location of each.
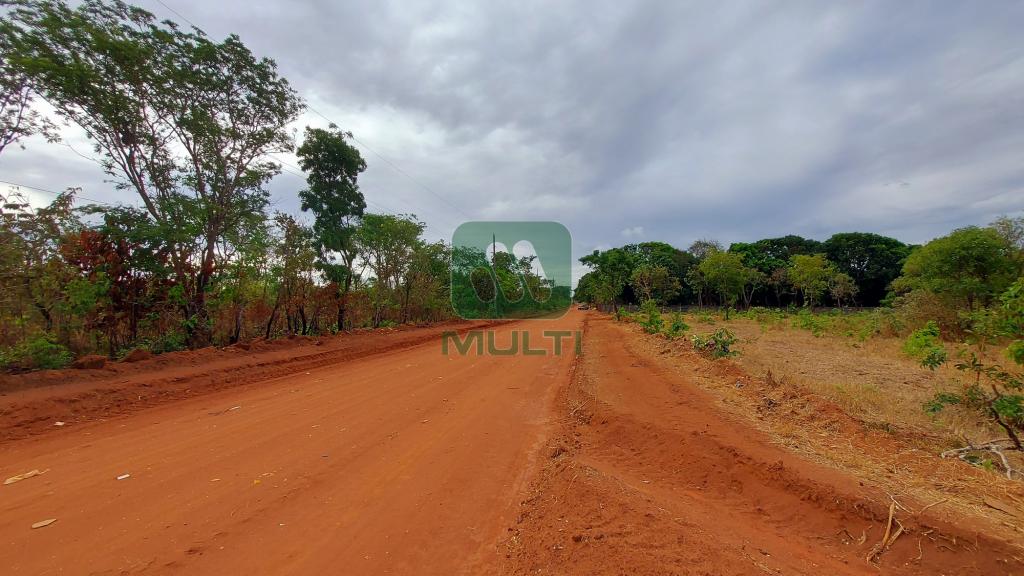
(376, 454)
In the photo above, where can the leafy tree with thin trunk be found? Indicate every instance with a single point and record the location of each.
(185, 122)
(726, 275)
(970, 267)
(810, 276)
(386, 244)
(332, 168)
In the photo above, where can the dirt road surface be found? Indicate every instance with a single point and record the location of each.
(410, 462)
(407, 462)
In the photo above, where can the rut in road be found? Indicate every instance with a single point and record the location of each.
(649, 476)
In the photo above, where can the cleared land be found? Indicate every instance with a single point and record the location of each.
(375, 454)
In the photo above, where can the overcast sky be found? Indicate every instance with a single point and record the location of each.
(645, 121)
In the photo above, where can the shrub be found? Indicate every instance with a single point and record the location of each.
(764, 316)
(807, 320)
(676, 326)
(916, 308)
(925, 346)
(39, 352)
(716, 345)
(706, 318)
(994, 393)
(650, 318)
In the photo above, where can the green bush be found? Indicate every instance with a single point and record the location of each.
(716, 345)
(39, 352)
(676, 326)
(706, 318)
(818, 324)
(650, 317)
(764, 316)
(925, 346)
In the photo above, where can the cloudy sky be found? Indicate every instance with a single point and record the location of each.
(644, 121)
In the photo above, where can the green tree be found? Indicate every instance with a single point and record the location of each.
(332, 168)
(18, 118)
(655, 283)
(770, 254)
(970, 266)
(810, 275)
(1012, 232)
(185, 122)
(614, 268)
(33, 275)
(842, 288)
(386, 244)
(871, 260)
(294, 267)
(726, 275)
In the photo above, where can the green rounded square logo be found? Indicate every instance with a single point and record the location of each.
(511, 270)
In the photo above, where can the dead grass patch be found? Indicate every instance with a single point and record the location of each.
(855, 406)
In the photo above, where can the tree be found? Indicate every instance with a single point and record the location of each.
(1012, 232)
(31, 267)
(614, 268)
(872, 261)
(426, 286)
(295, 255)
(701, 249)
(810, 275)
(842, 288)
(770, 254)
(386, 244)
(970, 266)
(653, 283)
(18, 119)
(779, 282)
(332, 194)
(725, 274)
(185, 122)
(677, 262)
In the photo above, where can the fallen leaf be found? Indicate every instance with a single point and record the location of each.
(43, 523)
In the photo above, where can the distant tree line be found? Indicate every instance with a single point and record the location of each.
(967, 269)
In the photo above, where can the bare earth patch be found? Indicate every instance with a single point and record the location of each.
(664, 465)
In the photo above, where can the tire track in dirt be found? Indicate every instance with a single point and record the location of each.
(648, 476)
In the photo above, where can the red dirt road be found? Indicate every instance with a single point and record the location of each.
(410, 462)
(404, 462)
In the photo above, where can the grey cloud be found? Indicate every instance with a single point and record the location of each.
(686, 120)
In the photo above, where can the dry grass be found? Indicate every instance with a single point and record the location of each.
(871, 380)
(856, 406)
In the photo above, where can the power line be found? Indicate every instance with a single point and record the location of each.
(47, 191)
(396, 167)
(294, 173)
(178, 14)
